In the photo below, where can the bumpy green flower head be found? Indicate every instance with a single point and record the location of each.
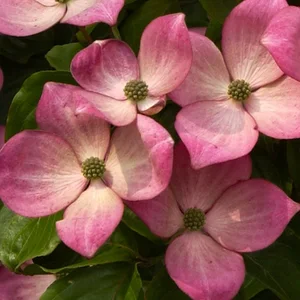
(239, 90)
(194, 219)
(93, 168)
(136, 90)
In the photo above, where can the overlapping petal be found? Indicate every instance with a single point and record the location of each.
(245, 57)
(203, 269)
(250, 216)
(216, 131)
(105, 67)
(165, 55)
(28, 17)
(152, 105)
(276, 108)
(201, 188)
(86, 12)
(40, 174)
(91, 219)
(282, 40)
(60, 114)
(208, 78)
(140, 158)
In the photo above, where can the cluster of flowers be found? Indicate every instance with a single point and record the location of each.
(203, 196)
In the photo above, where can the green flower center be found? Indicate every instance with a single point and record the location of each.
(62, 1)
(239, 90)
(194, 219)
(136, 90)
(93, 168)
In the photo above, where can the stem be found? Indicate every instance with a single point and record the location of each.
(116, 32)
(85, 34)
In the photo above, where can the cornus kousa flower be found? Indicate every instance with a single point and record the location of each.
(73, 163)
(27, 17)
(282, 40)
(227, 100)
(215, 212)
(110, 68)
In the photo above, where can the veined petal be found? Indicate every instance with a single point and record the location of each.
(276, 108)
(165, 55)
(140, 158)
(203, 269)
(282, 41)
(14, 286)
(86, 12)
(40, 174)
(28, 17)
(250, 215)
(152, 105)
(208, 78)
(201, 188)
(245, 56)
(105, 67)
(91, 219)
(59, 112)
(216, 131)
(161, 214)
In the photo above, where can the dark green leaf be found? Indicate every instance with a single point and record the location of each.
(293, 159)
(195, 14)
(250, 288)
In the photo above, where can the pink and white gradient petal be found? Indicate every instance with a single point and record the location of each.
(216, 131)
(165, 55)
(86, 12)
(245, 56)
(201, 188)
(250, 216)
(91, 219)
(208, 78)
(151, 105)
(28, 17)
(49, 2)
(59, 113)
(105, 67)
(276, 108)
(139, 161)
(15, 286)
(203, 269)
(282, 37)
(161, 214)
(43, 165)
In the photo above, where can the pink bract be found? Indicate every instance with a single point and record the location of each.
(28, 17)
(212, 124)
(241, 215)
(164, 59)
(47, 177)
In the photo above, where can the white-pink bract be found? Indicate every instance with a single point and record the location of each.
(215, 127)
(41, 170)
(241, 215)
(28, 17)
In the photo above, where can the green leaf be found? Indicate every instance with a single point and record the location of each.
(21, 114)
(23, 238)
(250, 288)
(132, 28)
(195, 14)
(113, 281)
(293, 159)
(60, 57)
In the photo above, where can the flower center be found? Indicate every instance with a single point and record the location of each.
(194, 219)
(239, 90)
(136, 90)
(93, 168)
(62, 1)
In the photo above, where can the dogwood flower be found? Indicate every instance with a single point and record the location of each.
(28, 17)
(111, 68)
(73, 163)
(214, 212)
(227, 100)
(281, 38)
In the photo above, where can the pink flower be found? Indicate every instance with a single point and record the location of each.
(110, 67)
(227, 100)
(27, 17)
(217, 211)
(14, 286)
(73, 163)
(282, 40)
